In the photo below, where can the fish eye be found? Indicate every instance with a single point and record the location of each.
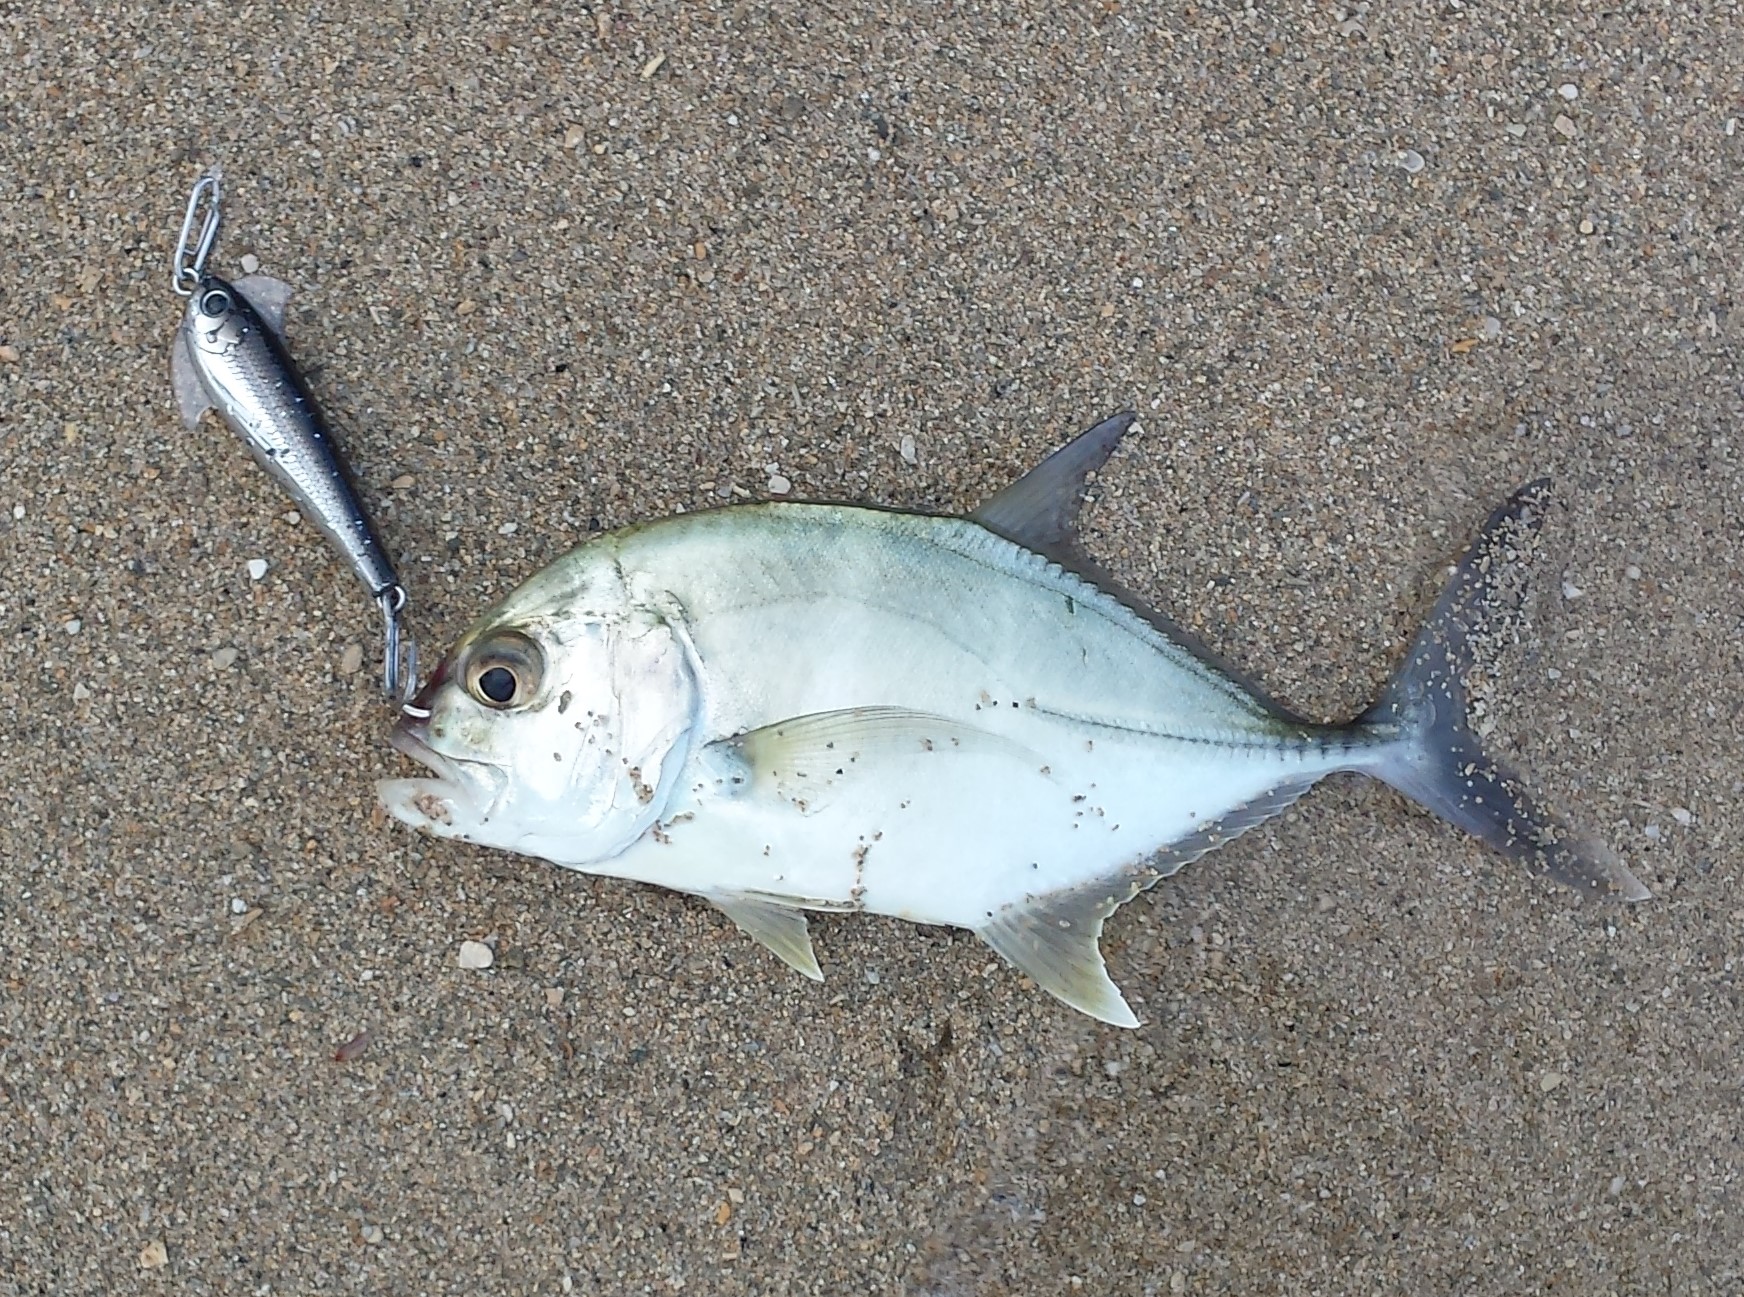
(504, 670)
(215, 302)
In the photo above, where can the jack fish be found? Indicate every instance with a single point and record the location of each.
(787, 707)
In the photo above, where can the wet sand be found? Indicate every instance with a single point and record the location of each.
(557, 270)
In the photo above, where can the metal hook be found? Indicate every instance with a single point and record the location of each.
(399, 654)
(190, 259)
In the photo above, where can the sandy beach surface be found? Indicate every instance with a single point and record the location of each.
(1362, 271)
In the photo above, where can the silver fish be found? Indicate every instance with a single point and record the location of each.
(791, 707)
(228, 356)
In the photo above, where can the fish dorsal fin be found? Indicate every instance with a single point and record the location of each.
(804, 759)
(268, 297)
(191, 398)
(1054, 939)
(1040, 510)
(780, 929)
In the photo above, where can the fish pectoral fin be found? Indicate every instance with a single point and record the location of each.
(778, 928)
(804, 758)
(191, 398)
(1055, 940)
(1040, 510)
(269, 297)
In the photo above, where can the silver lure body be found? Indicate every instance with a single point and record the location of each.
(228, 357)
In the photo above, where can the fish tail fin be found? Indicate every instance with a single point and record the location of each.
(1424, 742)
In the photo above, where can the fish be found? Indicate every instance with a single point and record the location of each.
(228, 355)
(788, 707)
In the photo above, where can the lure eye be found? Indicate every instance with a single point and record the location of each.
(215, 302)
(504, 671)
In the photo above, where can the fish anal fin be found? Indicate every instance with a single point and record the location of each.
(1054, 939)
(191, 398)
(269, 297)
(779, 929)
(1040, 510)
(805, 758)
(1232, 824)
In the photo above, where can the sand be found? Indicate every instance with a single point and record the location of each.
(1362, 272)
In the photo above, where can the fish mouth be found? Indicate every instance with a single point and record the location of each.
(409, 744)
(444, 805)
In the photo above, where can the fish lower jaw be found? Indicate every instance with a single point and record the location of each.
(429, 804)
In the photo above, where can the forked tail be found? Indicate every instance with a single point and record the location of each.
(1438, 760)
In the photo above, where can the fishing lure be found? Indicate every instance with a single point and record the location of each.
(228, 356)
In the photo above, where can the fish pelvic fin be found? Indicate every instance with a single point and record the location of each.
(1422, 740)
(779, 929)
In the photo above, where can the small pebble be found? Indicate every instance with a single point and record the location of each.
(238, 905)
(8, 355)
(1516, 129)
(1586, 226)
(1652, 832)
(1569, 91)
(351, 660)
(574, 137)
(1570, 590)
(291, 519)
(225, 658)
(554, 997)
(1492, 328)
(779, 485)
(73, 626)
(18, 511)
(154, 1255)
(466, 308)
(1412, 161)
(475, 955)
(352, 1049)
(80, 693)
(1632, 572)
(256, 568)
(908, 455)
(250, 263)
(1618, 1184)
(1683, 816)
(1549, 1081)
(372, 1234)
(1565, 126)
(403, 482)
(508, 529)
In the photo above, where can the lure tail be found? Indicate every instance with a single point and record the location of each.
(1437, 759)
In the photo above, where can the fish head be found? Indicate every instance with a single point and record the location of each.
(217, 318)
(555, 727)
